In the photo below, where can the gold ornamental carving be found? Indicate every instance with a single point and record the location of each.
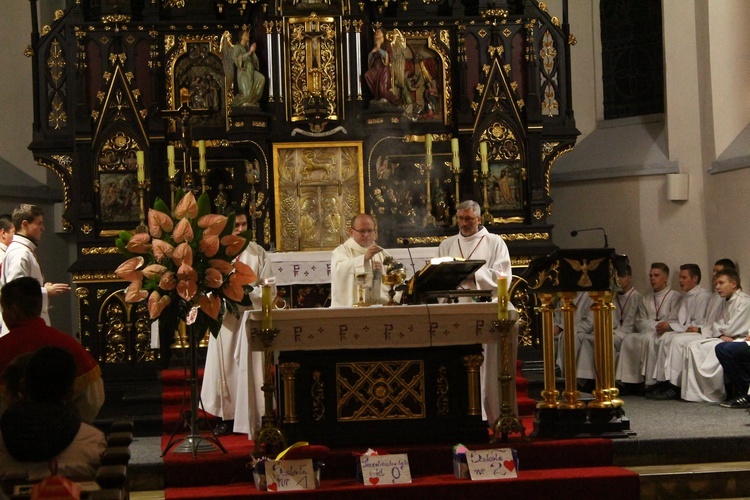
(94, 277)
(550, 164)
(313, 73)
(525, 236)
(61, 171)
(317, 400)
(82, 292)
(99, 251)
(381, 390)
(443, 392)
(318, 188)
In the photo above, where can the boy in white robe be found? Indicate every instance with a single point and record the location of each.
(691, 314)
(675, 359)
(703, 376)
(659, 305)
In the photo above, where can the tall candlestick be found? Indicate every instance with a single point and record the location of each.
(266, 319)
(483, 157)
(202, 155)
(502, 298)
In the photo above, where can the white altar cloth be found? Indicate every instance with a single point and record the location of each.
(313, 268)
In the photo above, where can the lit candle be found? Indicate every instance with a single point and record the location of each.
(456, 158)
(140, 162)
(266, 320)
(202, 155)
(502, 297)
(483, 156)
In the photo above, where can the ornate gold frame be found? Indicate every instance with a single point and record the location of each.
(323, 178)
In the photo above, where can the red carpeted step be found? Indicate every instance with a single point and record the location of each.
(218, 468)
(613, 483)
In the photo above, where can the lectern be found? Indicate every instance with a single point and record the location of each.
(562, 275)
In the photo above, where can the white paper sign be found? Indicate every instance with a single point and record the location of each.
(385, 469)
(491, 464)
(289, 475)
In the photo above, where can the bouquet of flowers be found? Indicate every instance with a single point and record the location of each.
(187, 261)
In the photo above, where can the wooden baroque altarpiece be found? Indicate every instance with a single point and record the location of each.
(315, 110)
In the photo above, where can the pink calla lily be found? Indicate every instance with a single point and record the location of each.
(161, 249)
(154, 271)
(168, 282)
(244, 273)
(128, 270)
(213, 278)
(159, 222)
(209, 245)
(212, 224)
(186, 207)
(233, 290)
(183, 231)
(211, 305)
(139, 243)
(187, 289)
(185, 272)
(134, 292)
(157, 303)
(222, 266)
(183, 254)
(233, 244)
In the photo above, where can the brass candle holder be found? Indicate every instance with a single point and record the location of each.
(508, 422)
(270, 439)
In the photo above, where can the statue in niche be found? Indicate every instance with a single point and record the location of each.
(378, 74)
(242, 57)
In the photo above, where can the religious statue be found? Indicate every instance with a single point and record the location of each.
(378, 74)
(242, 57)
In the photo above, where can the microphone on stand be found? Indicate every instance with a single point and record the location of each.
(575, 232)
(407, 244)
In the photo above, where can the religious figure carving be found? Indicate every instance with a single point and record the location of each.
(242, 57)
(378, 75)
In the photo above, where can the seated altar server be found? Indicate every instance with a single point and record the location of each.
(690, 315)
(703, 377)
(233, 375)
(627, 302)
(675, 358)
(659, 305)
(361, 256)
(474, 242)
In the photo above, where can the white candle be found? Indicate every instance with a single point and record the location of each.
(502, 297)
(266, 305)
(140, 158)
(141, 173)
(170, 161)
(483, 156)
(202, 155)
(456, 157)
(428, 144)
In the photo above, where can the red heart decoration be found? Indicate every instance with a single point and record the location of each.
(273, 487)
(374, 480)
(509, 464)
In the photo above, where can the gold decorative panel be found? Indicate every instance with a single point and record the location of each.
(313, 73)
(318, 188)
(382, 390)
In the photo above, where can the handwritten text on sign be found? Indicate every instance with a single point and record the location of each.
(491, 464)
(288, 475)
(385, 469)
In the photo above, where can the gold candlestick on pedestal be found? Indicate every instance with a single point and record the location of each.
(507, 422)
(270, 439)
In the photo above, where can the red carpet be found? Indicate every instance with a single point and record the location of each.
(579, 468)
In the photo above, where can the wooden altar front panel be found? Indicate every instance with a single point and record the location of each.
(383, 375)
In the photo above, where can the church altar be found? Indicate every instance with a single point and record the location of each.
(314, 267)
(382, 375)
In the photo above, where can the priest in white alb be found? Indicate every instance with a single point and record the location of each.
(474, 242)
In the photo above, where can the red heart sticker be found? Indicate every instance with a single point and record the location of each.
(273, 487)
(374, 480)
(509, 464)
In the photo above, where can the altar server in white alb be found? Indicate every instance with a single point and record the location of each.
(658, 306)
(21, 260)
(703, 376)
(474, 242)
(690, 315)
(358, 256)
(233, 375)
(627, 302)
